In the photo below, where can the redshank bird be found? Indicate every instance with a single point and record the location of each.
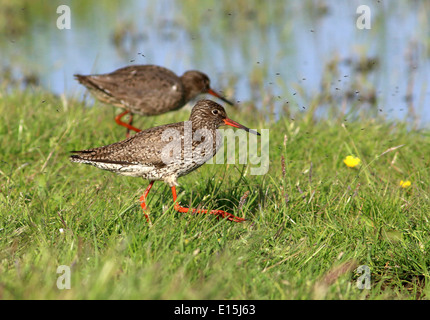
(147, 90)
(166, 152)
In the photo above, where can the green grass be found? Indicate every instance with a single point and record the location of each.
(312, 220)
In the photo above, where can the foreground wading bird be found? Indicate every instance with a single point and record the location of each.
(147, 90)
(166, 152)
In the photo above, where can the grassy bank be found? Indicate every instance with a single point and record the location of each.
(312, 220)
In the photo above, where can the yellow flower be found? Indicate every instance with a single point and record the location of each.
(404, 184)
(352, 161)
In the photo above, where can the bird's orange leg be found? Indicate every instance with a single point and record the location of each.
(221, 213)
(143, 200)
(127, 125)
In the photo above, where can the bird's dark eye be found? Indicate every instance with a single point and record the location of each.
(215, 111)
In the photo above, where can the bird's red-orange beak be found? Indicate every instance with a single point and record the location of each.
(235, 124)
(210, 91)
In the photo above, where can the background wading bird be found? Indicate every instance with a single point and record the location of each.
(147, 90)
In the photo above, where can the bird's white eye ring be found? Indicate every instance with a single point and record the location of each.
(215, 111)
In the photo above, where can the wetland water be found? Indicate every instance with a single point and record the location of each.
(275, 54)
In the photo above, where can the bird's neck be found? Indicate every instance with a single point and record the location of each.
(198, 123)
(190, 91)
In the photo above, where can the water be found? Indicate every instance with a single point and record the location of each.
(257, 49)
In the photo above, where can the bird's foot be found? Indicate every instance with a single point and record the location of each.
(219, 213)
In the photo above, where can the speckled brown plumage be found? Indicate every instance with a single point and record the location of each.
(147, 89)
(166, 152)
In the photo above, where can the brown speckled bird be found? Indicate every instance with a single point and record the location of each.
(166, 152)
(147, 90)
